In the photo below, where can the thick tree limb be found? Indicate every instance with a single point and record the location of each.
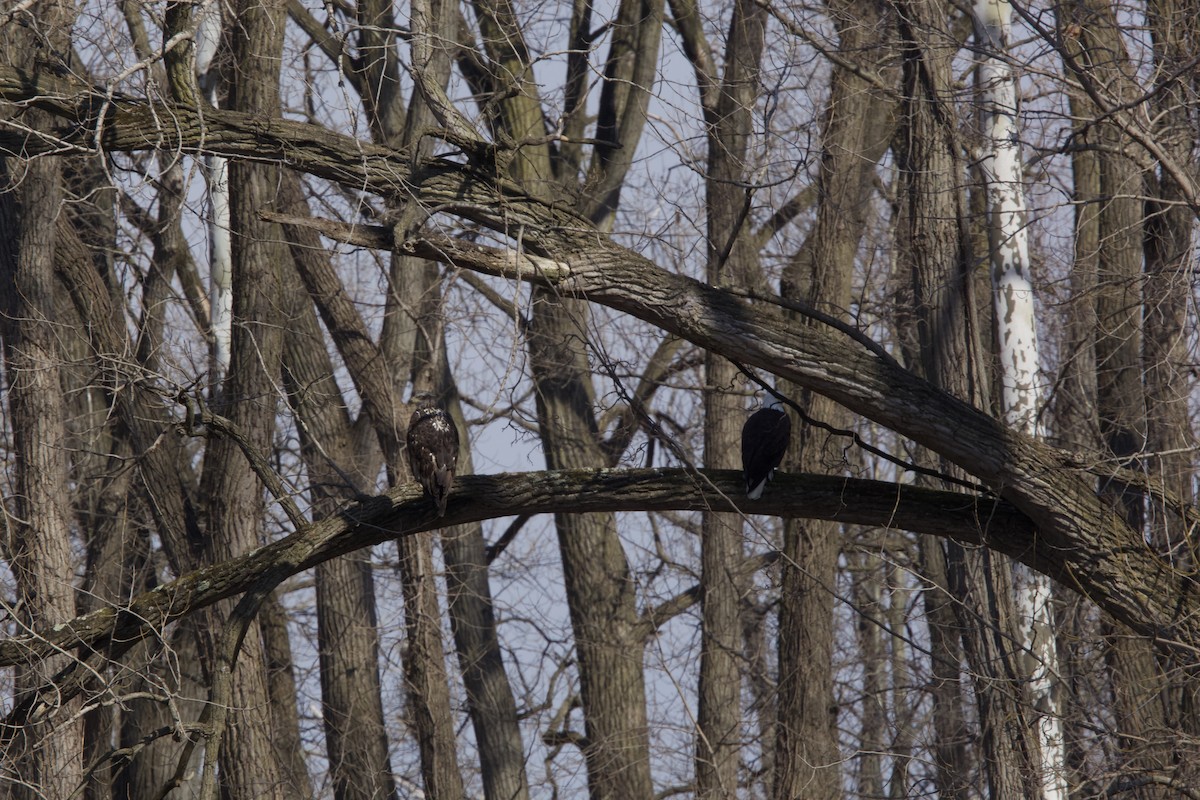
(405, 510)
(1120, 572)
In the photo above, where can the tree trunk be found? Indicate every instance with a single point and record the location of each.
(490, 701)
(731, 262)
(601, 594)
(103, 506)
(857, 128)
(953, 765)
(425, 668)
(718, 740)
(248, 764)
(866, 593)
(757, 654)
(119, 551)
(1137, 682)
(49, 752)
(171, 681)
(347, 638)
(629, 76)
(903, 668)
(1170, 260)
(934, 249)
(1077, 426)
(41, 551)
(281, 687)
(1019, 355)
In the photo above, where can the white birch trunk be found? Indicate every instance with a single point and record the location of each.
(216, 173)
(220, 255)
(1016, 329)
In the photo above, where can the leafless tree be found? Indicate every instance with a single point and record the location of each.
(596, 234)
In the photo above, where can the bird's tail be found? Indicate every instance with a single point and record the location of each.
(444, 479)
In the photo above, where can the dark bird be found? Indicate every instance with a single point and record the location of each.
(432, 448)
(765, 438)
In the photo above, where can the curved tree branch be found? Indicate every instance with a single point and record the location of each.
(1040, 480)
(406, 510)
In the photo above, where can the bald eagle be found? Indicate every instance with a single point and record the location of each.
(765, 438)
(432, 449)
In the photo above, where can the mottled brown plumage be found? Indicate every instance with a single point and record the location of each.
(432, 449)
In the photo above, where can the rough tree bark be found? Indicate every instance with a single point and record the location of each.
(601, 594)
(866, 593)
(40, 548)
(1100, 57)
(1016, 339)
(948, 339)
(248, 767)
(856, 130)
(49, 752)
(348, 641)
(104, 508)
(492, 706)
(731, 262)
(1170, 263)
(161, 479)
(1077, 425)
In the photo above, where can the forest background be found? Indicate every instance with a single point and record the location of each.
(960, 240)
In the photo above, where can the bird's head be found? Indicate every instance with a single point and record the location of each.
(423, 399)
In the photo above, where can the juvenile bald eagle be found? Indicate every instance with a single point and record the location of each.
(432, 449)
(765, 438)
